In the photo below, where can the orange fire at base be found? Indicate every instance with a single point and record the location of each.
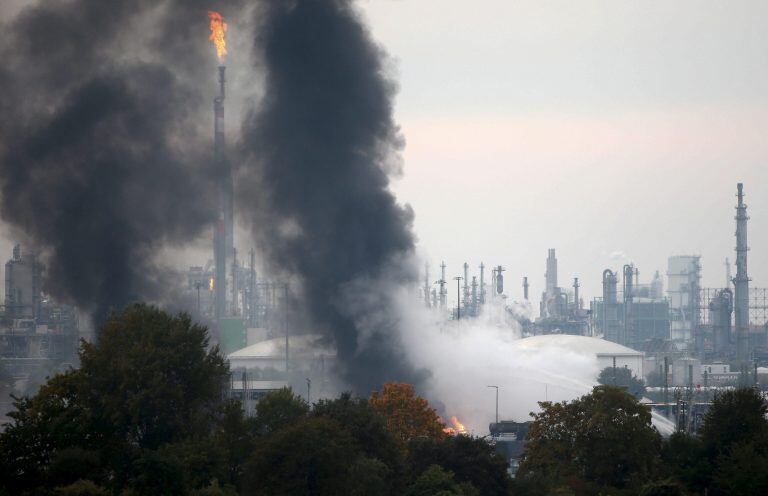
(218, 34)
(457, 427)
(211, 284)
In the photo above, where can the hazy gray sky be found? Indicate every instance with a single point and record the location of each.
(598, 128)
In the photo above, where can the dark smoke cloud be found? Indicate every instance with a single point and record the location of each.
(102, 160)
(324, 139)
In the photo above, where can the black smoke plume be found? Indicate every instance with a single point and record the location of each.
(102, 158)
(325, 140)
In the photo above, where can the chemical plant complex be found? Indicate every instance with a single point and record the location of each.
(671, 327)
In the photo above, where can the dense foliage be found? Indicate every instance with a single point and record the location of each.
(603, 443)
(602, 440)
(147, 414)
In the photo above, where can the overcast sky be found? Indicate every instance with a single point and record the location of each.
(604, 129)
(600, 128)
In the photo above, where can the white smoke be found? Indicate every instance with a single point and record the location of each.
(468, 355)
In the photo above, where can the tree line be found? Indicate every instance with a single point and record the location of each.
(146, 413)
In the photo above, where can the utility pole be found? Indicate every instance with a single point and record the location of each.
(458, 296)
(497, 402)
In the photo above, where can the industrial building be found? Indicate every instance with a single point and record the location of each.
(36, 333)
(560, 311)
(634, 316)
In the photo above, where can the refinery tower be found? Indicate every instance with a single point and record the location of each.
(741, 281)
(223, 231)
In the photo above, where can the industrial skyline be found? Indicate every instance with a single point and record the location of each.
(664, 155)
(550, 126)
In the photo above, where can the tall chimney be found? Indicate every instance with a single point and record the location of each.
(551, 274)
(525, 288)
(223, 242)
(466, 284)
(741, 281)
(443, 291)
(482, 283)
(576, 300)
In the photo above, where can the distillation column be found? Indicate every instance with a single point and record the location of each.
(741, 281)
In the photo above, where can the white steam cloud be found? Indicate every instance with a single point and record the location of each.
(466, 356)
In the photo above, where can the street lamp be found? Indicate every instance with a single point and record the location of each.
(497, 402)
(458, 296)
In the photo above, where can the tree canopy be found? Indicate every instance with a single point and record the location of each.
(601, 441)
(147, 414)
(147, 387)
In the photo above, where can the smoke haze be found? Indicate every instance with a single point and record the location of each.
(324, 141)
(102, 159)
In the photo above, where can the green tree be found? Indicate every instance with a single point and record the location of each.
(741, 471)
(729, 456)
(684, 456)
(83, 487)
(310, 457)
(279, 409)
(366, 426)
(601, 441)
(735, 417)
(622, 377)
(436, 481)
(370, 477)
(661, 488)
(149, 383)
(471, 460)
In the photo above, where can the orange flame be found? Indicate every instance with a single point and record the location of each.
(458, 427)
(210, 284)
(218, 32)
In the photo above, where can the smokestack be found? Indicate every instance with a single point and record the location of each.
(551, 274)
(466, 284)
(482, 283)
(576, 300)
(741, 281)
(525, 288)
(224, 195)
(443, 291)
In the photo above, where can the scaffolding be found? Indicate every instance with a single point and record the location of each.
(758, 305)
